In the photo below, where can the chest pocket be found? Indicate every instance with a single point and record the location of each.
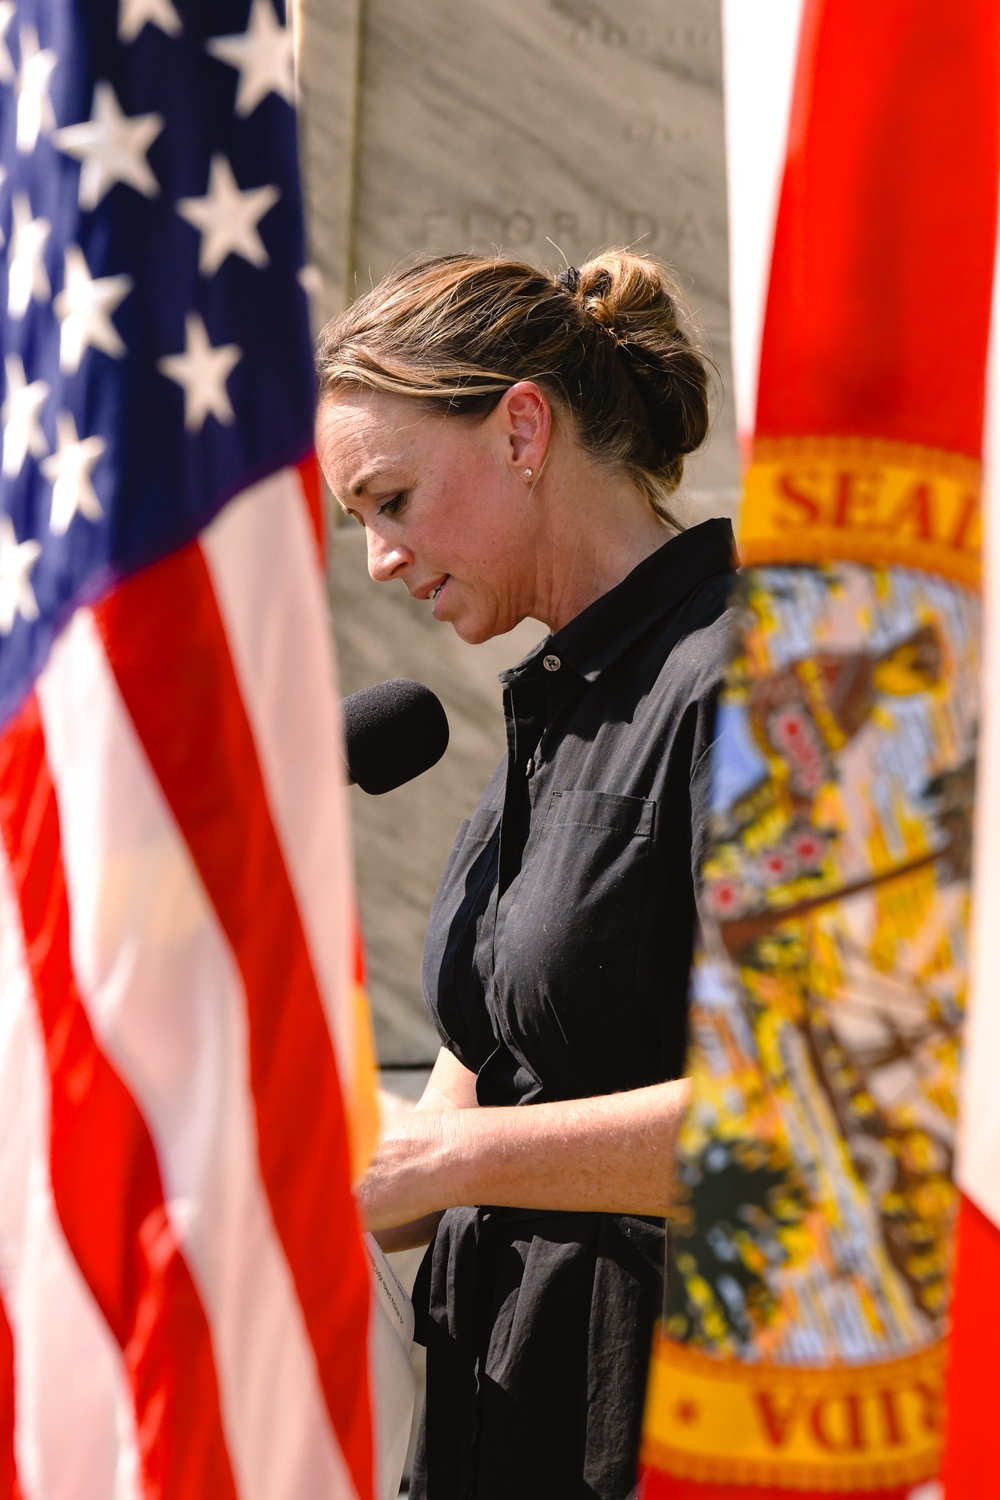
(566, 943)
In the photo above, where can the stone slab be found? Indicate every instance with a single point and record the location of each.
(543, 128)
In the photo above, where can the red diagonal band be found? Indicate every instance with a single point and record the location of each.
(105, 1178)
(9, 1487)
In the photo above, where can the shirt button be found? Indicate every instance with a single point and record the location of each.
(551, 663)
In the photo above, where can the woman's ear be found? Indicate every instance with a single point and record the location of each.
(525, 415)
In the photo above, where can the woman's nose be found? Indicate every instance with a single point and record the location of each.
(385, 558)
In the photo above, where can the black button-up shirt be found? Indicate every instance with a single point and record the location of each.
(560, 942)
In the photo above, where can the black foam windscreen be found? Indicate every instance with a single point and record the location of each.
(393, 731)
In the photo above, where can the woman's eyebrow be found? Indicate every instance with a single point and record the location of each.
(360, 485)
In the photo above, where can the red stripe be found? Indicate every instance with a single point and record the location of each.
(166, 642)
(972, 1436)
(309, 478)
(878, 309)
(657, 1486)
(105, 1178)
(9, 1487)
(360, 956)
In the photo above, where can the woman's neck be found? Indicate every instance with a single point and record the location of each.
(596, 529)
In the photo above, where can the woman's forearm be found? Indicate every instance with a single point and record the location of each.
(611, 1154)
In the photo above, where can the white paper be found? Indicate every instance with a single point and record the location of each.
(392, 1377)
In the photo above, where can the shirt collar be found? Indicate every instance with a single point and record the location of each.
(660, 583)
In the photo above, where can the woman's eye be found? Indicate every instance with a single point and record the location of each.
(394, 506)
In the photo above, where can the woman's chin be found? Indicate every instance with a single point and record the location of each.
(472, 632)
(471, 624)
(467, 625)
(475, 629)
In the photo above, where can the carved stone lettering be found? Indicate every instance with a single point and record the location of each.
(608, 31)
(564, 224)
(649, 130)
(518, 228)
(688, 234)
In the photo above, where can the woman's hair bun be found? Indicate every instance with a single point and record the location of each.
(637, 305)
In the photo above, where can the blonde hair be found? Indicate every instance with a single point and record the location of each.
(613, 344)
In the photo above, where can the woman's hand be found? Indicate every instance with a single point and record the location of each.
(408, 1167)
(407, 1179)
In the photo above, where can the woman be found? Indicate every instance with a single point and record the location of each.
(510, 441)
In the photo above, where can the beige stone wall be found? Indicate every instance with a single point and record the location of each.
(544, 128)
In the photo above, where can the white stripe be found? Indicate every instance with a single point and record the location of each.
(164, 996)
(261, 554)
(74, 1434)
(978, 1169)
(760, 43)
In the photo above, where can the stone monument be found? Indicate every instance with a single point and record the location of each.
(548, 129)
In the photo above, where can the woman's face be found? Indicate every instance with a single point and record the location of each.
(444, 504)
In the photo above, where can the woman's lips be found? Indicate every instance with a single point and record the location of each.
(436, 595)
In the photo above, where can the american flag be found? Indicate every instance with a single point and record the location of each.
(184, 1077)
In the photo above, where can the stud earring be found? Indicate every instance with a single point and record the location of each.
(528, 473)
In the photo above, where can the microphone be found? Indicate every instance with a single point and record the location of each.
(393, 731)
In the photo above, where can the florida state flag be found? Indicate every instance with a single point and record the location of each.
(972, 1456)
(804, 1345)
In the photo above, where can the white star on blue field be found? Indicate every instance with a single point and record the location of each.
(155, 340)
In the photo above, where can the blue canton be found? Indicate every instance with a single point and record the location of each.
(155, 337)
